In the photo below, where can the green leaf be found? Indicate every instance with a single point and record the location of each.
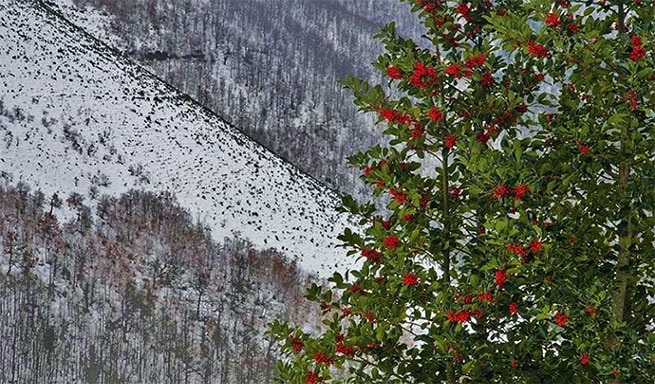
(518, 150)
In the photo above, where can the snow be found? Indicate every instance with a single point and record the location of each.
(74, 109)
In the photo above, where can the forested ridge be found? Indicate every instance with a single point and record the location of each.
(131, 290)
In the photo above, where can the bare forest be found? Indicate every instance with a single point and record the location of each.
(131, 290)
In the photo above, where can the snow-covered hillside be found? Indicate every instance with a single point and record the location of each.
(75, 117)
(269, 67)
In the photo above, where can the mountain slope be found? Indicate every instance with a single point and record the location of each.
(270, 67)
(75, 117)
